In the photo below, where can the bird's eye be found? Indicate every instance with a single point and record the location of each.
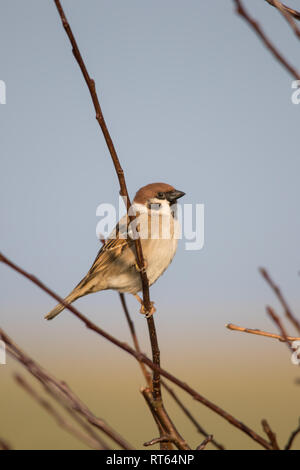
(161, 195)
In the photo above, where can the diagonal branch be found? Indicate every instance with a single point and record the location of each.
(268, 43)
(124, 192)
(138, 356)
(288, 312)
(287, 15)
(292, 438)
(60, 391)
(93, 441)
(271, 435)
(294, 13)
(187, 412)
(206, 441)
(266, 334)
(114, 156)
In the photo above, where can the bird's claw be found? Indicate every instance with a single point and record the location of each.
(148, 314)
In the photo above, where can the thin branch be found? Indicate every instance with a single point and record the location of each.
(268, 43)
(93, 442)
(124, 192)
(158, 440)
(164, 446)
(199, 428)
(270, 311)
(283, 339)
(148, 377)
(294, 13)
(138, 356)
(132, 330)
(60, 391)
(271, 435)
(287, 15)
(119, 170)
(166, 425)
(206, 441)
(292, 438)
(135, 339)
(288, 312)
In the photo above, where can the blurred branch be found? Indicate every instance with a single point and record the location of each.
(288, 312)
(135, 339)
(119, 170)
(271, 435)
(169, 390)
(206, 441)
(4, 445)
(93, 441)
(292, 438)
(199, 428)
(240, 9)
(287, 15)
(270, 311)
(158, 440)
(283, 339)
(165, 423)
(156, 388)
(60, 391)
(139, 356)
(294, 13)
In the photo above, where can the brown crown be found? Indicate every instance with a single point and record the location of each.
(150, 191)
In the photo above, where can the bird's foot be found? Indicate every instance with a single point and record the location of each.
(147, 314)
(143, 309)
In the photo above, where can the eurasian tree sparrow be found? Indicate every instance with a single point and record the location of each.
(115, 266)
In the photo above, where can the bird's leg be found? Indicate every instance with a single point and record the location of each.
(143, 310)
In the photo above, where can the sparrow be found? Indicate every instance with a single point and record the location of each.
(115, 267)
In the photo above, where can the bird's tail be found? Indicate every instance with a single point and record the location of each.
(75, 294)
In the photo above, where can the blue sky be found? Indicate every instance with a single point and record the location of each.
(192, 98)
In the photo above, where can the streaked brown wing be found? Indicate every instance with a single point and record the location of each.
(111, 250)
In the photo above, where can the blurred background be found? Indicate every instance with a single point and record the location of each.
(191, 98)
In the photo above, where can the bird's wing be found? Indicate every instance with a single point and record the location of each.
(117, 242)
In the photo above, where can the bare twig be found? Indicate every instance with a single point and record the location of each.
(92, 442)
(199, 428)
(60, 391)
(268, 43)
(206, 441)
(158, 440)
(287, 15)
(164, 384)
(270, 311)
(135, 339)
(119, 170)
(288, 312)
(271, 435)
(139, 356)
(124, 192)
(294, 13)
(292, 438)
(167, 428)
(283, 339)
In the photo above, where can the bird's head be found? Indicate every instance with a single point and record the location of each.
(158, 196)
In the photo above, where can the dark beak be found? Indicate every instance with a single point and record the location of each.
(172, 196)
